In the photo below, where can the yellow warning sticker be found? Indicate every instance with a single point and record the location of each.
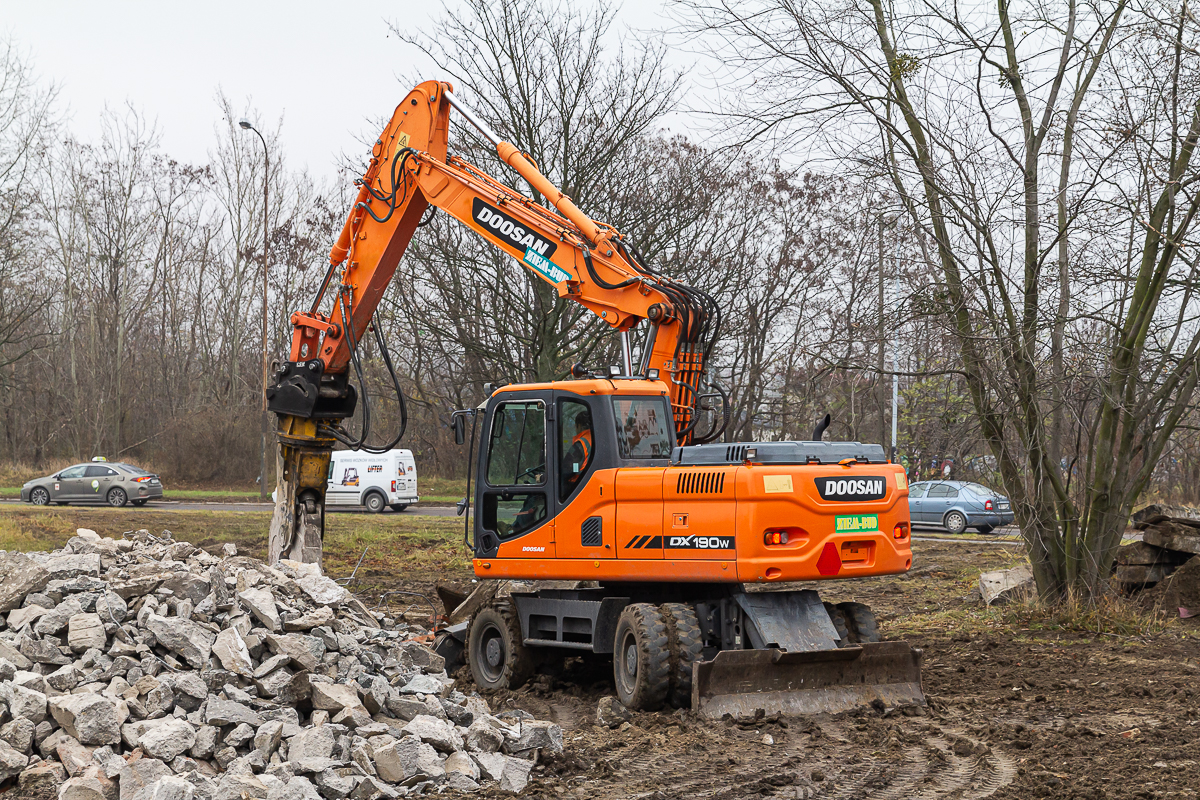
(777, 484)
(901, 481)
(402, 140)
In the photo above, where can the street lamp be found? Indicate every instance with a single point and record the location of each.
(895, 225)
(262, 464)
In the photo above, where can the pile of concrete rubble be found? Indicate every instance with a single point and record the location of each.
(1170, 538)
(148, 669)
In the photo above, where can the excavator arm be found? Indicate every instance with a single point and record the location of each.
(586, 261)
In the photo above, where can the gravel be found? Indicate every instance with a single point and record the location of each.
(148, 669)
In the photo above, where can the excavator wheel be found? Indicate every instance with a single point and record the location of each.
(496, 653)
(685, 643)
(837, 615)
(642, 658)
(861, 621)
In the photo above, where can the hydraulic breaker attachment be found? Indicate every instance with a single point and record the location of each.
(298, 525)
(883, 675)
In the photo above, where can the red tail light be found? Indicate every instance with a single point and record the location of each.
(144, 478)
(776, 537)
(900, 531)
(988, 506)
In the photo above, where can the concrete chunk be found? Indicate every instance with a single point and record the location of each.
(189, 639)
(19, 576)
(90, 718)
(85, 631)
(262, 605)
(230, 649)
(167, 740)
(1006, 585)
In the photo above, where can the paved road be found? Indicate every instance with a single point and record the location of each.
(169, 505)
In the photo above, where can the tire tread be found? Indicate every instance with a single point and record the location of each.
(686, 646)
(654, 656)
(520, 664)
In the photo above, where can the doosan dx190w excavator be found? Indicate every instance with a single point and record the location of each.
(673, 540)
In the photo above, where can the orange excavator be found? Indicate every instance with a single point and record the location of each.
(610, 484)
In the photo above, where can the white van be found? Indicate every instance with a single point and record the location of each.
(372, 481)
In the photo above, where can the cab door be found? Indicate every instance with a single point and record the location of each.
(585, 482)
(514, 495)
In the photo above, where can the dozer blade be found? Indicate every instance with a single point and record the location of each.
(739, 682)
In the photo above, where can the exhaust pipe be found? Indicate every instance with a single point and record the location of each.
(819, 431)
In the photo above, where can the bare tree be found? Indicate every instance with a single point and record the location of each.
(986, 124)
(26, 125)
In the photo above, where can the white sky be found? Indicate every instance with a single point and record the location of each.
(324, 68)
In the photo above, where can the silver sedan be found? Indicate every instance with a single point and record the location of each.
(108, 482)
(958, 505)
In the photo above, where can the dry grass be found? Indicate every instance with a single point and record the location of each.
(1114, 615)
(403, 550)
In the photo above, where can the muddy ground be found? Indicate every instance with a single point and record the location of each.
(1014, 712)
(1019, 706)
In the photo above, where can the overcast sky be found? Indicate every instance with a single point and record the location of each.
(323, 67)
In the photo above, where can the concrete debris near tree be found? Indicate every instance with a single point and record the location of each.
(1006, 585)
(1170, 538)
(145, 669)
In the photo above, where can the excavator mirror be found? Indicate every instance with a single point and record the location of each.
(460, 433)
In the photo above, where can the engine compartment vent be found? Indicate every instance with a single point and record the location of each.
(700, 483)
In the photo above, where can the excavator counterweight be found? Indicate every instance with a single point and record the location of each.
(614, 483)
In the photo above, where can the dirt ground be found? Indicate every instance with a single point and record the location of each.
(1019, 706)
(1013, 713)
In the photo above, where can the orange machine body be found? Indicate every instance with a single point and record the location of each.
(743, 521)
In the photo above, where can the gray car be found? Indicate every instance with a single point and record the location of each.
(958, 505)
(108, 482)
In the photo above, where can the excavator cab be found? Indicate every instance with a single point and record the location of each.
(548, 460)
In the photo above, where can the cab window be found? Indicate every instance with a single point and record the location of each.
(917, 490)
(574, 446)
(517, 452)
(99, 472)
(510, 514)
(943, 490)
(73, 472)
(644, 428)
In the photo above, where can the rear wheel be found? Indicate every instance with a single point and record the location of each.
(686, 644)
(955, 522)
(642, 658)
(861, 621)
(116, 497)
(375, 502)
(39, 497)
(842, 625)
(495, 651)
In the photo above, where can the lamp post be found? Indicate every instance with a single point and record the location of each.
(894, 452)
(262, 464)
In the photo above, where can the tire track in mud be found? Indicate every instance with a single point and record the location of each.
(731, 765)
(925, 770)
